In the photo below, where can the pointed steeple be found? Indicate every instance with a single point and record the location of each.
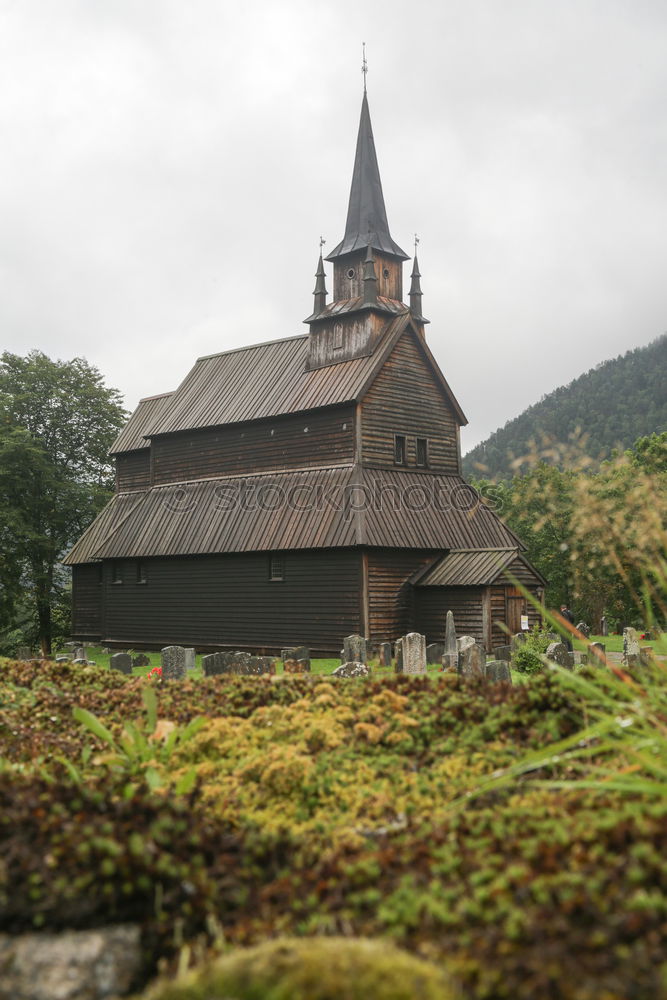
(416, 292)
(320, 293)
(366, 214)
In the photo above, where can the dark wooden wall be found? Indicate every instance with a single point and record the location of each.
(465, 603)
(296, 441)
(133, 470)
(218, 601)
(87, 594)
(405, 399)
(499, 595)
(390, 595)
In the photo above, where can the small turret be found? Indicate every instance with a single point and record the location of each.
(416, 292)
(320, 291)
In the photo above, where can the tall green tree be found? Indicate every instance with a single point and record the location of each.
(57, 422)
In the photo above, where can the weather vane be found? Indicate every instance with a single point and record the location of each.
(364, 64)
(322, 242)
(416, 243)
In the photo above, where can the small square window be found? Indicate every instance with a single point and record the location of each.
(277, 567)
(141, 572)
(422, 451)
(399, 449)
(116, 572)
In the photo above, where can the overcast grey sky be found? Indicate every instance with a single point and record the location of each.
(167, 168)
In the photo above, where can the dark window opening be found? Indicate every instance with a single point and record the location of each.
(399, 449)
(141, 573)
(422, 451)
(116, 572)
(277, 567)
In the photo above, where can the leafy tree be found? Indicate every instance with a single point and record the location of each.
(57, 421)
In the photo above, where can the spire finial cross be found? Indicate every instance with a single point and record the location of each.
(416, 243)
(322, 242)
(364, 64)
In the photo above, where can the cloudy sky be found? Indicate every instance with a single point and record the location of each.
(167, 168)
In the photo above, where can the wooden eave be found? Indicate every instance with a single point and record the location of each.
(196, 518)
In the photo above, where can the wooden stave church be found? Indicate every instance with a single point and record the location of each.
(304, 489)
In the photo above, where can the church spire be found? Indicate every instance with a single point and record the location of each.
(366, 215)
(416, 290)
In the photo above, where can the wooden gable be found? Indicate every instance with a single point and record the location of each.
(407, 397)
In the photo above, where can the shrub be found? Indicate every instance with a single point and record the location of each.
(527, 659)
(314, 969)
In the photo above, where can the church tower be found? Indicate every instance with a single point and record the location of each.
(368, 269)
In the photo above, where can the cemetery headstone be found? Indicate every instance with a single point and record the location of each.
(498, 670)
(517, 640)
(122, 662)
(604, 628)
(173, 663)
(435, 652)
(450, 658)
(141, 660)
(354, 649)
(80, 653)
(414, 653)
(596, 653)
(62, 659)
(558, 653)
(189, 658)
(472, 659)
(646, 656)
(630, 647)
(398, 656)
(584, 629)
(502, 653)
(384, 651)
(351, 669)
(295, 653)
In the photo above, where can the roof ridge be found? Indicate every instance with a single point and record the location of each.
(249, 347)
(158, 395)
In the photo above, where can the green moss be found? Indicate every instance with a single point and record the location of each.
(313, 969)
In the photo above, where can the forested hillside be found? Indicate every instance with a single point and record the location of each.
(615, 403)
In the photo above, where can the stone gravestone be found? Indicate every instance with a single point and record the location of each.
(584, 629)
(646, 657)
(414, 653)
(398, 656)
(498, 670)
(296, 659)
(189, 659)
(141, 660)
(517, 640)
(24, 653)
(450, 659)
(558, 653)
(80, 653)
(435, 652)
(384, 650)
(596, 653)
(173, 663)
(472, 658)
(604, 628)
(503, 653)
(630, 647)
(351, 669)
(122, 662)
(354, 649)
